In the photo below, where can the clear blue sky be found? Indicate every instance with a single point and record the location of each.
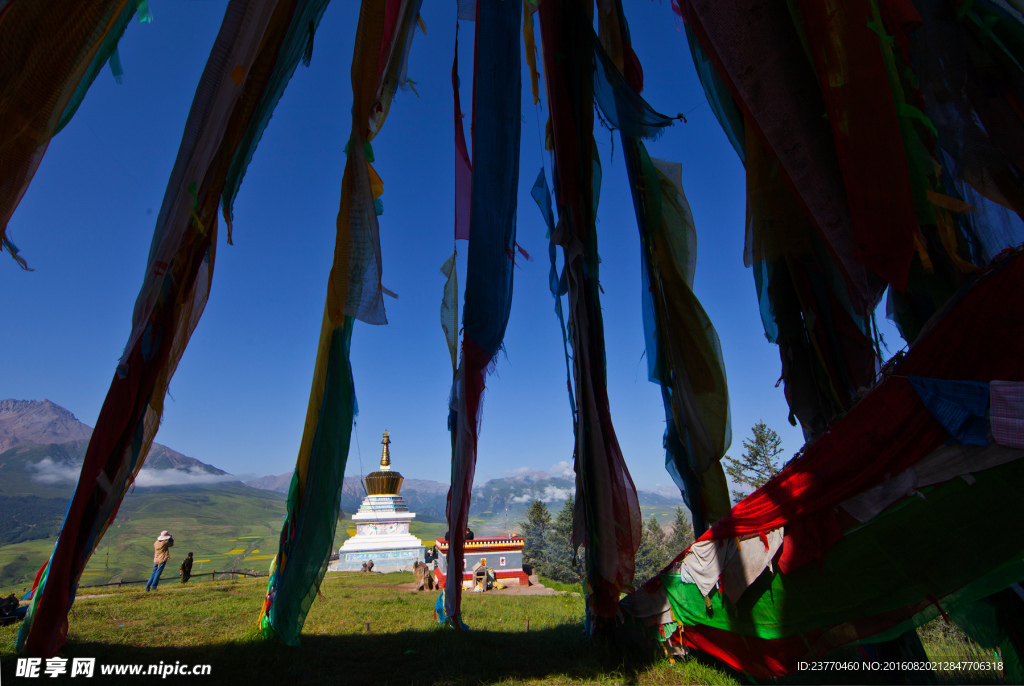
(239, 397)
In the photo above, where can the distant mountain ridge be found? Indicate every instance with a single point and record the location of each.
(43, 422)
(278, 484)
(38, 422)
(42, 447)
(426, 498)
(495, 502)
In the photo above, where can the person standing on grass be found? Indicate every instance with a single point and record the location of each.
(161, 554)
(186, 568)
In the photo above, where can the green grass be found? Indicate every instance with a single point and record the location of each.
(209, 521)
(945, 642)
(558, 585)
(215, 623)
(212, 522)
(428, 531)
(19, 563)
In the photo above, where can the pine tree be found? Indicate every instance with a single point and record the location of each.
(559, 555)
(655, 534)
(682, 534)
(760, 461)
(535, 530)
(653, 554)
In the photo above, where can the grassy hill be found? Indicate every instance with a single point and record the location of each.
(37, 482)
(31, 508)
(226, 525)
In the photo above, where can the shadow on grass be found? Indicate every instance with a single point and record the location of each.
(440, 656)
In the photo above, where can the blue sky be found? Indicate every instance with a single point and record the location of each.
(238, 399)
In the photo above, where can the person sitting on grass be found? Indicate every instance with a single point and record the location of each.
(161, 554)
(186, 569)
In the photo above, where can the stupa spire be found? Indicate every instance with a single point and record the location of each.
(385, 455)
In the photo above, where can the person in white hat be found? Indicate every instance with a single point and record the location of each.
(161, 554)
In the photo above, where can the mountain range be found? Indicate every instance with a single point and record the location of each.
(42, 447)
(497, 504)
(32, 423)
(49, 443)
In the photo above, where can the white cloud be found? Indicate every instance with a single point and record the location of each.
(562, 469)
(49, 472)
(667, 490)
(179, 477)
(553, 493)
(549, 494)
(519, 471)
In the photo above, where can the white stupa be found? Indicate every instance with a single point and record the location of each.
(382, 525)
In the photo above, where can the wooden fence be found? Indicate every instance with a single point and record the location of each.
(225, 575)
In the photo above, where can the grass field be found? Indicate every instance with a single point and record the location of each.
(214, 623)
(226, 529)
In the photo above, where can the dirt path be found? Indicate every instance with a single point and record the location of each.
(532, 589)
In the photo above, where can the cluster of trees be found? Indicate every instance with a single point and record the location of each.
(27, 518)
(549, 540)
(658, 548)
(548, 544)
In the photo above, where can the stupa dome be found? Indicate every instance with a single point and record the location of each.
(384, 481)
